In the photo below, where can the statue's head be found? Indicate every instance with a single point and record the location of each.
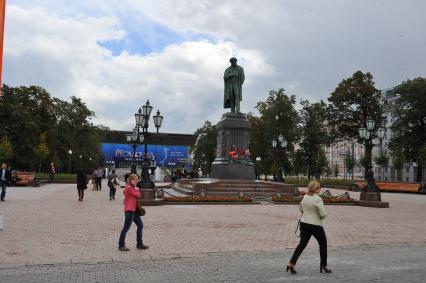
(233, 61)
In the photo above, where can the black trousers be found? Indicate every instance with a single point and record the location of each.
(80, 194)
(3, 189)
(306, 231)
(111, 190)
(98, 183)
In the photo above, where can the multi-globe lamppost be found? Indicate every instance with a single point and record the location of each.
(279, 144)
(140, 135)
(366, 135)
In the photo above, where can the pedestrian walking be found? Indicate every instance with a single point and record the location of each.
(81, 184)
(52, 172)
(131, 195)
(99, 174)
(5, 178)
(112, 183)
(93, 180)
(313, 212)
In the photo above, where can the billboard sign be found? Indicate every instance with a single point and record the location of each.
(164, 155)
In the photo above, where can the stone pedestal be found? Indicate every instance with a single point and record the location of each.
(149, 198)
(233, 129)
(371, 199)
(370, 196)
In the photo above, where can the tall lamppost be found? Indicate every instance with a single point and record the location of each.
(279, 144)
(366, 134)
(258, 159)
(141, 134)
(381, 134)
(69, 161)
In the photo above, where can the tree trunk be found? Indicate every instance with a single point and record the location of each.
(399, 175)
(419, 172)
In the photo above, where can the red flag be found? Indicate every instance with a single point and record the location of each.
(2, 16)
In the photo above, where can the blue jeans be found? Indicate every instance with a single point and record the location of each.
(129, 217)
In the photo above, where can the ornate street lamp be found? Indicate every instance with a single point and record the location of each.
(158, 119)
(279, 144)
(140, 135)
(371, 192)
(69, 161)
(258, 159)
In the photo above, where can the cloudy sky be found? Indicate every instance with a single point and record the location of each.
(117, 54)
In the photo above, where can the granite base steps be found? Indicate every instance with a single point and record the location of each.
(232, 186)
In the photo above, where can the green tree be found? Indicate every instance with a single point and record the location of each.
(398, 160)
(314, 137)
(336, 170)
(6, 149)
(258, 144)
(299, 164)
(349, 163)
(354, 101)
(27, 112)
(42, 150)
(422, 162)
(278, 116)
(328, 170)
(409, 128)
(382, 160)
(204, 150)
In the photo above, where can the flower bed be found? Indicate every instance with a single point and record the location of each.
(209, 199)
(336, 200)
(326, 199)
(288, 199)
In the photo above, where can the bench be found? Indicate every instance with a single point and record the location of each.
(25, 178)
(400, 187)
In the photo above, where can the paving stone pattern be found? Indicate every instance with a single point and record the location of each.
(49, 236)
(402, 263)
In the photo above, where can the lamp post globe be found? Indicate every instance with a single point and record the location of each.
(69, 161)
(370, 124)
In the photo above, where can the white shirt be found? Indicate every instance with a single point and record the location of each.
(313, 210)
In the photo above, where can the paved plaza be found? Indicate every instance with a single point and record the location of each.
(49, 236)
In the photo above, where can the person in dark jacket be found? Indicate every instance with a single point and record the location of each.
(112, 183)
(81, 184)
(52, 172)
(5, 178)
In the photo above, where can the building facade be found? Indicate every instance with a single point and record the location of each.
(338, 152)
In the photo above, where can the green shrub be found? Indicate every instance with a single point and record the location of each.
(60, 177)
(324, 182)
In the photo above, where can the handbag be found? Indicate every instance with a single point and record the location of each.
(140, 210)
(298, 226)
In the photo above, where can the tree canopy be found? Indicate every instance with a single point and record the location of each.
(42, 128)
(354, 101)
(409, 127)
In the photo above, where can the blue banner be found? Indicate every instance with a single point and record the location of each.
(164, 155)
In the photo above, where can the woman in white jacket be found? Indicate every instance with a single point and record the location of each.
(313, 212)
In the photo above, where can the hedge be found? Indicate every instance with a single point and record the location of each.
(60, 177)
(324, 182)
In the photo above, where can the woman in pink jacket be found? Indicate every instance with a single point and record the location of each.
(131, 195)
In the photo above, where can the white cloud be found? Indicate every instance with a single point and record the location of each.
(305, 47)
(63, 55)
